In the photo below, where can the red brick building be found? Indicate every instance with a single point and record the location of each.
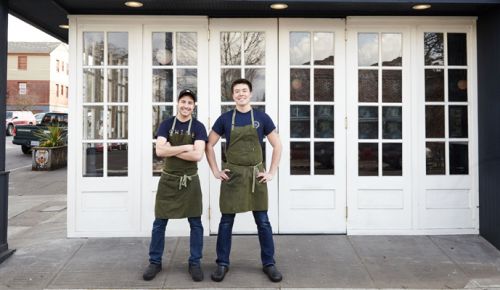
(37, 76)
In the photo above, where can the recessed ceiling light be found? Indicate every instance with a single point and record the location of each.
(279, 6)
(64, 26)
(134, 4)
(421, 6)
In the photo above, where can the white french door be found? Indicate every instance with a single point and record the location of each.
(312, 177)
(243, 49)
(378, 105)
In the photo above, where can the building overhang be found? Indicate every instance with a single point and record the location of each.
(48, 15)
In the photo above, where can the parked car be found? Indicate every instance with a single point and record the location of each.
(25, 135)
(39, 116)
(16, 118)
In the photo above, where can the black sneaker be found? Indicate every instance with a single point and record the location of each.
(196, 272)
(273, 273)
(219, 273)
(151, 271)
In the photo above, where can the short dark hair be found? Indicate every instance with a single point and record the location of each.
(241, 81)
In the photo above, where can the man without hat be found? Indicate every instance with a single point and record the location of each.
(244, 176)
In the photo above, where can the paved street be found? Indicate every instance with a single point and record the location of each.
(46, 259)
(15, 159)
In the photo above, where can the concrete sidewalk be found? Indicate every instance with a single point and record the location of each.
(45, 258)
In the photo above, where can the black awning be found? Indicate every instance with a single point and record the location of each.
(47, 15)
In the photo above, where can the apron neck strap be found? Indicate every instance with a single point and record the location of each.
(173, 126)
(234, 116)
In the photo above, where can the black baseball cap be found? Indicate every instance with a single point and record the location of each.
(187, 92)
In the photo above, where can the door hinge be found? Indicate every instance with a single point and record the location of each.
(346, 212)
(209, 212)
(208, 34)
(345, 34)
(345, 123)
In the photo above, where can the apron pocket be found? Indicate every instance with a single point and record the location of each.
(168, 187)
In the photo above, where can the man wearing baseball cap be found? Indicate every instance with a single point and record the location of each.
(181, 141)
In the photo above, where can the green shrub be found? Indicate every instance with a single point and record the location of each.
(53, 136)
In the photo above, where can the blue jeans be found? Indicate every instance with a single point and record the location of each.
(158, 240)
(265, 238)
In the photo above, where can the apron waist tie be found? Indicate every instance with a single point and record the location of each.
(182, 179)
(255, 172)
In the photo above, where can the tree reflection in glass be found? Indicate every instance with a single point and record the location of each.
(434, 48)
(160, 113)
(117, 48)
(163, 87)
(228, 75)
(118, 85)
(93, 85)
(187, 78)
(187, 48)
(254, 48)
(230, 48)
(93, 48)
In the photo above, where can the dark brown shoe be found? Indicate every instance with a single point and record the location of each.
(273, 273)
(196, 273)
(151, 271)
(219, 273)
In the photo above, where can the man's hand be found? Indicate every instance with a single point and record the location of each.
(264, 177)
(222, 175)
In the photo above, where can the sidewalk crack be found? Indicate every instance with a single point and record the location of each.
(171, 263)
(362, 261)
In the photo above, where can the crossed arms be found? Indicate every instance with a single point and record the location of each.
(189, 152)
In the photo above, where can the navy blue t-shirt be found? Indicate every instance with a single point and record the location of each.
(198, 130)
(262, 122)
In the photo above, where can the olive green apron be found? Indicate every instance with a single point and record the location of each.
(243, 192)
(179, 191)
